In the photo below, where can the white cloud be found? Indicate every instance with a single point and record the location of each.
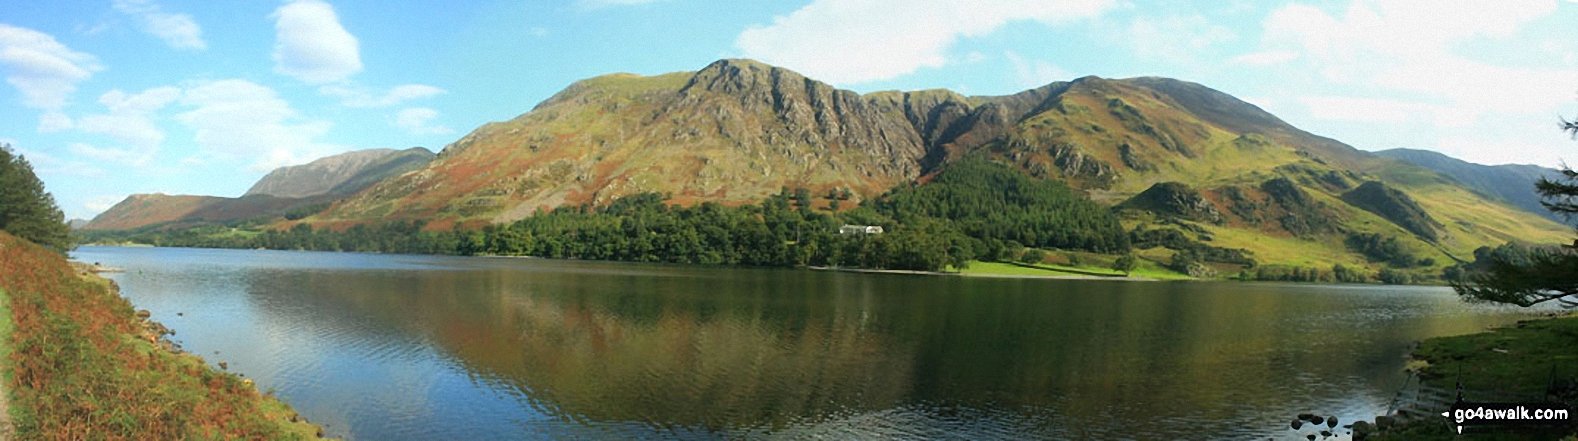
(1410, 56)
(1408, 46)
(131, 122)
(54, 121)
(1036, 73)
(1340, 108)
(598, 4)
(352, 97)
(122, 156)
(1494, 150)
(238, 119)
(49, 165)
(853, 41)
(311, 45)
(417, 121)
(177, 30)
(1403, 28)
(44, 71)
(101, 203)
(1265, 58)
(1175, 38)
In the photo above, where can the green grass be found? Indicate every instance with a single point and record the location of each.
(1516, 359)
(1145, 269)
(83, 366)
(7, 325)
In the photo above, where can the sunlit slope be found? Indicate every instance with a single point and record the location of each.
(739, 130)
(733, 132)
(301, 187)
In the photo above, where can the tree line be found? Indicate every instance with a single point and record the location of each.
(974, 210)
(26, 210)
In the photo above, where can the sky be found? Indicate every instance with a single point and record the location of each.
(108, 98)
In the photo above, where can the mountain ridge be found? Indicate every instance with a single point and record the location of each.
(279, 192)
(738, 131)
(1513, 183)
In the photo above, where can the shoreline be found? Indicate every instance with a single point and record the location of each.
(77, 347)
(984, 275)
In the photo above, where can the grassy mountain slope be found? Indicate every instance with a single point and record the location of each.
(303, 187)
(735, 132)
(341, 174)
(1513, 183)
(739, 130)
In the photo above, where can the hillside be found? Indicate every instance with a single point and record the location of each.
(340, 174)
(738, 131)
(283, 191)
(81, 363)
(1513, 183)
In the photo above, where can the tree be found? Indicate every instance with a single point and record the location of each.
(1548, 274)
(26, 210)
(1032, 256)
(1124, 264)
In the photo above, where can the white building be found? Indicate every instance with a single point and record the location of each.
(860, 229)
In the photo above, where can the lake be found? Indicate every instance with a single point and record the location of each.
(433, 347)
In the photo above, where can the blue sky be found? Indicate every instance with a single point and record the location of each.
(113, 97)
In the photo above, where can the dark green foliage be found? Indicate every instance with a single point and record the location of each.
(1207, 253)
(1305, 216)
(1124, 264)
(975, 210)
(987, 201)
(802, 198)
(298, 213)
(1281, 273)
(1174, 199)
(1395, 206)
(1343, 274)
(1379, 248)
(26, 209)
(1190, 250)
(1543, 274)
(1394, 277)
(1517, 274)
(1035, 256)
(1161, 237)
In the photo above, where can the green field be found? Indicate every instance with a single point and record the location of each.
(1144, 270)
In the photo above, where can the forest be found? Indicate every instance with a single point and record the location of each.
(973, 210)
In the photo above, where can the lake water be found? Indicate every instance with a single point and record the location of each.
(425, 347)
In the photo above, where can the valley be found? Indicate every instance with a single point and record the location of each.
(1196, 180)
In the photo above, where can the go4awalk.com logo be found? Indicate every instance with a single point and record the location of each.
(1508, 414)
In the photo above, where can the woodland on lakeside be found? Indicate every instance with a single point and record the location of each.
(975, 210)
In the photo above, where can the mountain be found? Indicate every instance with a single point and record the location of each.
(76, 223)
(1513, 183)
(342, 174)
(737, 131)
(291, 191)
(1195, 174)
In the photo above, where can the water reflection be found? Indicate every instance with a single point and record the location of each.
(415, 347)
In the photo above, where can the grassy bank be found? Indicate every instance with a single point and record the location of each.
(1516, 359)
(82, 365)
(1526, 359)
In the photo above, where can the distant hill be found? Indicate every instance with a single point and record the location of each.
(737, 131)
(1203, 172)
(294, 190)
(1513, 183)
(75, 223)
(342, 174)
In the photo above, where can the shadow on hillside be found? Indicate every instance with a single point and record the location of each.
(1063, 270)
